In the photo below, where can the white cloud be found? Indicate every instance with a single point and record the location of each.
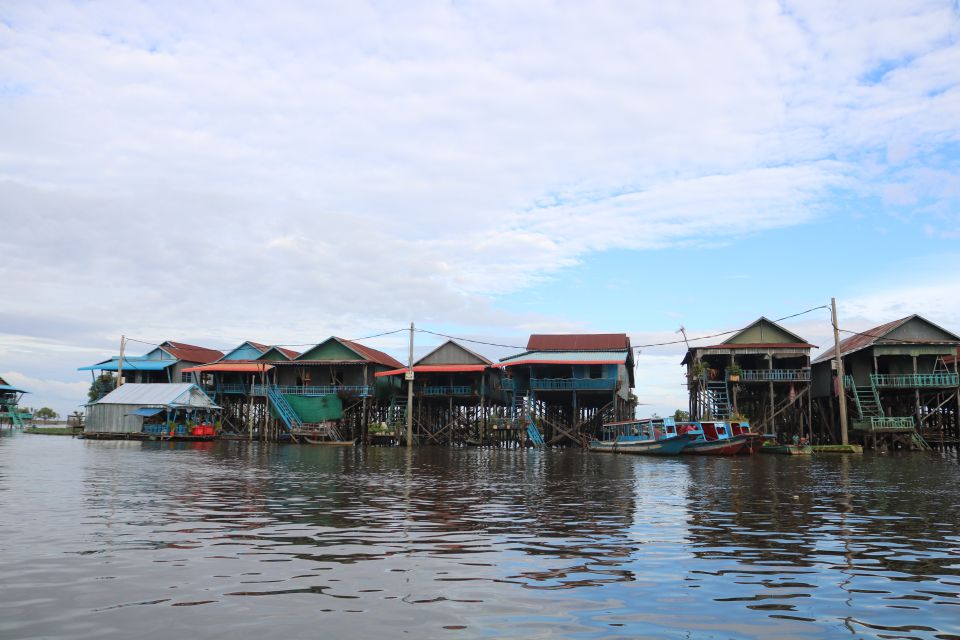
(287, 172)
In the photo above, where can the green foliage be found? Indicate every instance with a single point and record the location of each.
(734, 370)
(681, 416)
(46, 413)
(101, 386)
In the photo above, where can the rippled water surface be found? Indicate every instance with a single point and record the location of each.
(237, 540)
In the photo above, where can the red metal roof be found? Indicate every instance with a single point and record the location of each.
(373, 355)
(514, 363)
(578, 342)
(290, 353)
(435, 368)
(257, 345)
(191, 353)
(234, 367)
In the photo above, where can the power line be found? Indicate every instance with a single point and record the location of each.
(491, 344)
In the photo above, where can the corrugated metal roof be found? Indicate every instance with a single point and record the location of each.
(373, 355)
(290, 353)
(566, 357)
(191, 353)
(7, 387)
(130, 364)
(578, 341)
(173, 394)
(435, 368)
(868, 338)
(234, 366)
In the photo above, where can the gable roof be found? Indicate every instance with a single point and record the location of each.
(366, 354)
(191, 353)
(578, 342)
(761, 321)
(179, 394)
(246, 343)
(876, 335)
(373, 355)
(454, 346)
(289, 354)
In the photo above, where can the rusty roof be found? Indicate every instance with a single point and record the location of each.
(191, 353)
(373, 355)
(864, 339)
(290, 353)
(578, 342)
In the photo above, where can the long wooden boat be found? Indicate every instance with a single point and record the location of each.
(755, 440)
(640, 437)
(712, 439)
(787, 449)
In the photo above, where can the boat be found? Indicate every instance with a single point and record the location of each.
(755, 440)
(642, 437)
(711, 439)
(787, 449)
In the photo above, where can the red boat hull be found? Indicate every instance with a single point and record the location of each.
(754, 443)
(727, 447)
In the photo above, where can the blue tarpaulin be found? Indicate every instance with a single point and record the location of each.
(146, 412)
(130, 365)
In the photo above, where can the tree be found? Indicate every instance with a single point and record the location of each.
(46, 413)
(681, 416)
(101, 386)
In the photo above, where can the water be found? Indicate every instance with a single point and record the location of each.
(236, 540)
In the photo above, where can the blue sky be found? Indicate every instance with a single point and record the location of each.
(283, 172)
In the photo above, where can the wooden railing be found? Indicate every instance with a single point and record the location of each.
(775, 375)
(913, 380)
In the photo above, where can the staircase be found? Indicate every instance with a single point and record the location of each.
(14, 414)
(520, 414)
(919, 442)
(718, 399)
(868, 402)
(288, 416)
(397, 413)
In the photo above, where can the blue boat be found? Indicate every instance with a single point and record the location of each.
(647, 437)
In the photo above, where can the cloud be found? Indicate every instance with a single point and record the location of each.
(290, 172)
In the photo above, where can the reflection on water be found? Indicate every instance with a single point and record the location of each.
(105, 538)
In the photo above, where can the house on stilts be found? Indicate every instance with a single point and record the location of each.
(567, 386)
(163, 364)
(457, 398)
(10, 412)
(760, 374)
(901, 382)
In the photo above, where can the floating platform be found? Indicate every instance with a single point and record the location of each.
(837, 448)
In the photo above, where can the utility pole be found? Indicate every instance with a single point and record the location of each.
(123, 341)
(840, 376)
(409, 379)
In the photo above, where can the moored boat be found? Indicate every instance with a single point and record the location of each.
(711, 439)
(755, 440)
(787, 449)
(641, 437)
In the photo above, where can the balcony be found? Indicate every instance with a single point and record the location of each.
(290, 390)
(913, 380)
(882, 424)
(449, 391)
(571, 384)
(775, 375)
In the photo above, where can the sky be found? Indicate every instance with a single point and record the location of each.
(212, 172)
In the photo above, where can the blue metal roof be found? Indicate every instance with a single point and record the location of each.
(147, 412)
(130, 364)
(6, 387)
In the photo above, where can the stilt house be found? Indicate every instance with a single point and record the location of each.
(455, 391)
(164, 364)
(569, 385)
(9, 410)
(901, 380)
(760, 374)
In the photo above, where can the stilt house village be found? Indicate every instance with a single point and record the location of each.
(899, 388)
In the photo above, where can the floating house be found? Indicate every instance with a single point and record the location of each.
(456, 394)
(761, 374)
(569, 385)
(175, 406)
(164, 364)
(901, 380)
(9, 410)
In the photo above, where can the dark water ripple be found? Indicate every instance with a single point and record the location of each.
(102, 539)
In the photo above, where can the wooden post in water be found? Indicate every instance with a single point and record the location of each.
(842, 396)
(409, 379)
(123, 341)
